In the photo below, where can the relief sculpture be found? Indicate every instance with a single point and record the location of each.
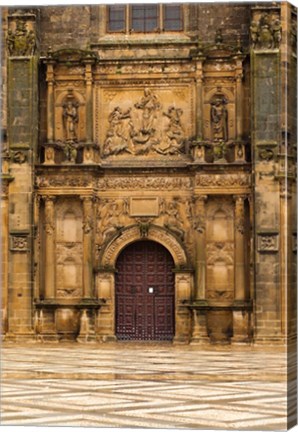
(21, 42)
(265, 33)
(70, 124)
(144, 129)
(111, 216)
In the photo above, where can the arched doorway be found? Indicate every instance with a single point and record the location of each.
(145, 292)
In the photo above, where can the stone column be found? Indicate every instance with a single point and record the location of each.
(49, 250)
(4, 255)
(240, 288)
(241, 315)
(49, 148)
(88, 151)
(200, 228)
(50, 101)
(87, 246)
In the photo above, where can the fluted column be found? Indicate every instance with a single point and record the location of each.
(87, 245)
(49, 271)
(200, 227)
(240, 288)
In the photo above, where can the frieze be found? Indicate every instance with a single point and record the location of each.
(62, 181)
(223, 180)
(134, 183)
(268, 242)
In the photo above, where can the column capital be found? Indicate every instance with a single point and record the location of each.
(240, 198)
(201, 198)
(48, 198)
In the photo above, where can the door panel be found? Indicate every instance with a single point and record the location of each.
(145, 293)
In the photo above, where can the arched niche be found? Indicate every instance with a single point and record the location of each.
(78, 100)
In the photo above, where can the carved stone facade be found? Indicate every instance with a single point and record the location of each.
(176, 139)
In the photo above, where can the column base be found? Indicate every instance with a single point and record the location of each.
(106, 338)
(181, 340)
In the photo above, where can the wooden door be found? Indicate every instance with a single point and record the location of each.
(145, 293)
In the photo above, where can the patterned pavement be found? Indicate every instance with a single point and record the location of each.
(143, 386)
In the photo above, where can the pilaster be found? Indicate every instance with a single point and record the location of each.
(22, 127)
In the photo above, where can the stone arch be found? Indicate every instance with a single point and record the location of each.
(105, 278)
(134, 233)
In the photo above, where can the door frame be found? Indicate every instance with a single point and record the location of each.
(105, 279)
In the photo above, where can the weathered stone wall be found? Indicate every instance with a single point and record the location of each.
(64, 27)
(232, 18)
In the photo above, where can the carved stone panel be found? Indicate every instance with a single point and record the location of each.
(141, 206)
(268, 242)
(69, 249)
(220, 249)
(154, 122)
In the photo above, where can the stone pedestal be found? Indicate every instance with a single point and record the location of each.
(199, 333)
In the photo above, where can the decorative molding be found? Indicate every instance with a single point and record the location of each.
(63, 181)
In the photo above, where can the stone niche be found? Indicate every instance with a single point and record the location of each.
(220, 266)
(154, 121)
(69, 248)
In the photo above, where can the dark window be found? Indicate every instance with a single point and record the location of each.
(172, 17)
(144, 18)
(116, 20)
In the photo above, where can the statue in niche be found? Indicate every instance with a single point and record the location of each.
(70, 120)
(21, 42)
(117, 140)
(145, 137)
(174, 134)
(219, 119)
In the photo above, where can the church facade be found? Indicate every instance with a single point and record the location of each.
(148, 173)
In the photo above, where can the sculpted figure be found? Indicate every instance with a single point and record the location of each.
(70, 121)
(276, 28)
(265, 35)
(173, 219)
(117, 140)
(254, 33)
(219, 119)
(174, 135)
(145, 137)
